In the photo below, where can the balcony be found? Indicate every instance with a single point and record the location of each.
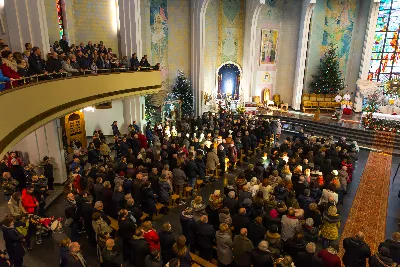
(26, 108)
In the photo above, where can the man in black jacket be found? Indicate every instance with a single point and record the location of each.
(167, 240)
(111, 257)
(308, 258)
(256, 231)
(231, 202)
(72, 214)
(240, 221)
(139, 247)
(394, 246)
(54, 64)
(191, 170)
(82, 60)
(205, 238)
(64, 44)
(356, 251)
(87, 211)
(36, 63)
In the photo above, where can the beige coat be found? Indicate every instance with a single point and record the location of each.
(101, 226)
(15, 208)
(212, 160)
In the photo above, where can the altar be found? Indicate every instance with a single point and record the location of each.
(382, 116)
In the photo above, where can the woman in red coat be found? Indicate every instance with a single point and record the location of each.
(151, 236)
(29, 202)
(9, 68)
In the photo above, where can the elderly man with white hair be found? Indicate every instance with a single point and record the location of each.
(308, 258)
(261, 256)
(98, 207)
(231, 202)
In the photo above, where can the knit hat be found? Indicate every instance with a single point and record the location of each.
(273, 213)
(273, 232)
(335, 172)
(247, 202)
(121, 173)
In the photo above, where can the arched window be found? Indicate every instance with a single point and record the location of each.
(385, 61)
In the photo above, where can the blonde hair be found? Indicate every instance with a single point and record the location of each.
(147, 226)
(180, 247)
(107, 184)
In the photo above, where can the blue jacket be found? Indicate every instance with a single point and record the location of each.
(3, 79)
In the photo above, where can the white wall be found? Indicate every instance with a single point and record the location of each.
(101, 119)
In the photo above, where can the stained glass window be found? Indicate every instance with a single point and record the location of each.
(385, 60)
(60, 18)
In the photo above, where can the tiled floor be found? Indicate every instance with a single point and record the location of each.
(42, 256)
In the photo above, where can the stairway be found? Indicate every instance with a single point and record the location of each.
(364, 137)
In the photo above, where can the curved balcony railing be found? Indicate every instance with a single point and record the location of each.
(27, 107)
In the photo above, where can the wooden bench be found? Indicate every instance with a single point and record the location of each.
(144, 217)
(114, 223)
(200, 261)
(158, 207)
(173, 199)
(188, 191)
(198, 184)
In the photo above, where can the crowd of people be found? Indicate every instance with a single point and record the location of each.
(64, 60)
(283, 210)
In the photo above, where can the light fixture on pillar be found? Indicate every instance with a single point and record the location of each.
(87, 109)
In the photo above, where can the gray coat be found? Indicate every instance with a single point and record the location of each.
(212, 160)
(179, 176)
(224, 247)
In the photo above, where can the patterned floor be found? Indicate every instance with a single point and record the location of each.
(369, 209)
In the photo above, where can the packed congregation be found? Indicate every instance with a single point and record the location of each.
(280, 204)
(63, 60)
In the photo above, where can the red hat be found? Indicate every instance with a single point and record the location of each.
(121, 173)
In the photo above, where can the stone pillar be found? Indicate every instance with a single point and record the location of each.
(45, 141)
(367, 50)
(130, 27)
(198, 9)
(27, 23)
(133, 109)
(253, 8)
(306, 15)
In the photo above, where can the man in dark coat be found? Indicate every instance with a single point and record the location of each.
(246, 142)
(53, 63)
(36, 63)
(308, 258)
(242, 248)
(231, 202)
(261, 256)
(256, 231)
(94, 156)
(205, 238)
(14, 242)
(87, 211)
(356, 251)
(188, 224)
(139, 247)
(394, 246)
(167, 240)
(192, 170)
(240, 221)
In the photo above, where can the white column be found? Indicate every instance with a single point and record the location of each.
(27, 23)
(45, 141)
(133, 109)
(198, 8)
(367, 50)
(306, 15)
(130, 27)
(253, 8)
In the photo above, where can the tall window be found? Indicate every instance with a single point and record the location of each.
(60, 18)
(385, 62)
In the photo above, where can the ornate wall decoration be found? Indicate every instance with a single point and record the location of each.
(159, 37)
(340, 17)
(230, 31)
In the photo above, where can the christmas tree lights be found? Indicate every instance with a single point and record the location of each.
(329, 78)
(182, 90)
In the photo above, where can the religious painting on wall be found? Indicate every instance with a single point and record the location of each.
(159, 37)
(269, 40)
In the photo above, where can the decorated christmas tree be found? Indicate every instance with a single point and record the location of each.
(182, 90)
(329, 78)
(152, 113)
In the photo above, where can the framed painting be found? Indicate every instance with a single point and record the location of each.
(269, 40)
